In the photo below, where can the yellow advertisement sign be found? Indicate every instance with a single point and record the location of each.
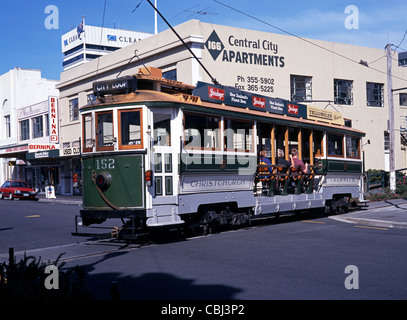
(325, 115)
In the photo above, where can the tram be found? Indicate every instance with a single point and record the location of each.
(159, 153)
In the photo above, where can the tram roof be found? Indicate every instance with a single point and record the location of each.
(177, 94)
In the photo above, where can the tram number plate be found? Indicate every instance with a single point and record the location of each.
(105, 164)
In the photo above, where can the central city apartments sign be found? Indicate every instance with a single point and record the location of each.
(215, 47)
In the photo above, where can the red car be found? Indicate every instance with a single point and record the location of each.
(17, 189)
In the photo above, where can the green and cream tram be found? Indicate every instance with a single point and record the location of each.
(157, 152)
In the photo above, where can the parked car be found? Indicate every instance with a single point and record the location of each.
(17, 189)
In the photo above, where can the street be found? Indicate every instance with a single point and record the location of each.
(295, 259)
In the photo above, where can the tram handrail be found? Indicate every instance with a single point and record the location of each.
(279, 177)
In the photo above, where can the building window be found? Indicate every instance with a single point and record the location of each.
(301, 88)
(170, 74)
(375, 96)
(7, 126)
(47, 125)
(403, 99)
(38, 127)
(74, 109)
(343, 92)
(91, 98)
(25, 130)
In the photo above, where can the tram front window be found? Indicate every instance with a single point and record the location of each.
(87, 133)
(130, 129)
(104, 133)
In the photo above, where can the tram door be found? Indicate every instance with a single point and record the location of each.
(164, 155)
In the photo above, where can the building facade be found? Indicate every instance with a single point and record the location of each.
(345, 78)
(87, 43)
(29, 148)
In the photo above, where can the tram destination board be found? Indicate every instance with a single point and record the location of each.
(116, 86)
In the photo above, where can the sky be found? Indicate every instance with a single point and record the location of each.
(28, 43)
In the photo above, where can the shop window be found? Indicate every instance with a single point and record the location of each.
(130, 129)
(353, 147)
(238, 135)
(301, 88)
(335, 145)
(201, 132)
(104, 131)
(375, 96)
(343, 92)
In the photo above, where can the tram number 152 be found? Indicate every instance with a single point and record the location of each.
(105, 164)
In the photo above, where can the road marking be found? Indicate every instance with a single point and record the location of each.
(33, 216)
(376, 228)
(309, 221)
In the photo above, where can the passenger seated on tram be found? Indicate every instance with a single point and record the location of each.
(281, 160)
(264, 162)
(295, 162)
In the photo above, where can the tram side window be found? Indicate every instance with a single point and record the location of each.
(87, 133)
(104, 131)
(353, 147)
(238, 135)
(202, 132)
(130, 129)
(318, 143)
(335, 145)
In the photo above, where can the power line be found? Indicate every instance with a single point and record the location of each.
(405, 33)
(361, 62)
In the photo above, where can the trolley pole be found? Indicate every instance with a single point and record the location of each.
(391, 119)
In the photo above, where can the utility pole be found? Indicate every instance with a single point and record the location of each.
(155, 18)
(391, 120)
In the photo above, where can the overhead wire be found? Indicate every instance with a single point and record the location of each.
(311, 42)
(101, 37)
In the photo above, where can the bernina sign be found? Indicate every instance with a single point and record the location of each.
(34, 147)
(53, 120)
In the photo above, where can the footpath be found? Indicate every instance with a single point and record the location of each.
(386, 214)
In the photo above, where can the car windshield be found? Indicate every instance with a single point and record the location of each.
(19, 184)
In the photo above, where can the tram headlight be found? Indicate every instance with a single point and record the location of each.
(103, 180)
